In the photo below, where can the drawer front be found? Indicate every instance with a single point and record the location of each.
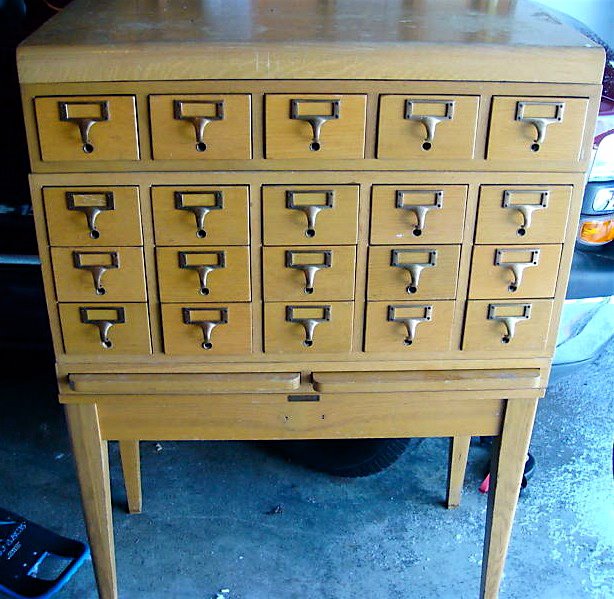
(427, 127)
(201, 215)
(500, 326)
(409, 328)
(418, 272)
(310, 214)
(308, 328)
(417, 214)
(109, 274)
(536, 129)
(522, 214)
(212, 274)
(309, 273)
(207, 330)
(87, 128)
(105, 329)
(518, 271)
(315, 126)
(93, 216)
(201, 127)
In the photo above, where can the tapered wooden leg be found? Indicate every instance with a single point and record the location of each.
(457, 464)
(92, 461)
(507, 467)
(131, 467)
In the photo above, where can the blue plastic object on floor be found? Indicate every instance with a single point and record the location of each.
(35, 562)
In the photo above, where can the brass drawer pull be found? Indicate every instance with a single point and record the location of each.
(540, 123)
(85, 123)
(309, 269)
(200, 211)
(429, 121)
(308, 323)
(517, 268)
(419, 210)
(203, 270)
(104, 324)
(96, 270)
(206, 325)
(315, 120)
(526, 210)
(411, 322)
(311, 210)
(413, 268)
(91, 203)
(509, 322)
(199, 121)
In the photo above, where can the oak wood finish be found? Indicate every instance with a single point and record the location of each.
(131, 467)
(457, 464)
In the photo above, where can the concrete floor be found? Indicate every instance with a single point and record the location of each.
(206, 527)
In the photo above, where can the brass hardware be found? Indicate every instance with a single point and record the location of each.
(429, 121)
(203, 270)
(85, 123)
(309, 270)
(540, 123)
(104, 324)
(200, 212)
(309, 324)
(96, 270)
(199, 122)
(315, 120)
(526, 210)
(90, 209)
(311, 210)
(411, 322)
(419, 210)
(509, 322)
(206, 325)
(413, 268)
(517, 268)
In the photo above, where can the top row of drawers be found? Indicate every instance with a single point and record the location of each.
(309, 126)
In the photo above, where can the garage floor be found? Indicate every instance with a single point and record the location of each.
(206, 526)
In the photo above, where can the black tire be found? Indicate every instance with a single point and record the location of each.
(351, 458)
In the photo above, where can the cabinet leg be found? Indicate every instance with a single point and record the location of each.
(457, 464)
(507, 467)
(131, 467)
(92, 462)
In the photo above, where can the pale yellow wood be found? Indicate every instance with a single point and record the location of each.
(498, 224)
(491, 281)
(227, 226)
(507, 468)
(231, 337)
(332, 283)
(392, 225)
(227, 138)
(119, 225)
(510, 138)
(137, 384)
(337, 225)
(383, 335)
(340, 138)
(125, 282)
(389, 282)
(457, 464)
(485, 334)
(229, 282)
(403, 138)
(92, 462)
(333, 335)
(114, 138)
(129, 337)
(130, 456)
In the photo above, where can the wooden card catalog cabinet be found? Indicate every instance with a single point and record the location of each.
(366, 209)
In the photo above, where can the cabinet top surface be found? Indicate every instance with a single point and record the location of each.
(273, 39)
